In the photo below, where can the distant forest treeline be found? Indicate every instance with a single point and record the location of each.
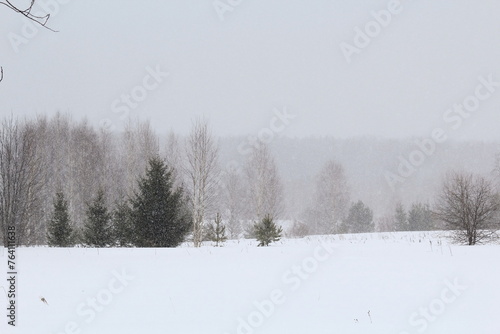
(78, 159)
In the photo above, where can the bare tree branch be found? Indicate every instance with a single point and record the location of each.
(41, 20)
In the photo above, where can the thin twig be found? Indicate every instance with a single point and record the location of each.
(41, 20)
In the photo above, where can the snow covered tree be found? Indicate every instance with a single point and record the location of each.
(60, 233)
(97, 229)
(401, 218)
(122, 225)
(266, 231)
(216, 231)
(420, 217)
(359, 219)
(159, 212)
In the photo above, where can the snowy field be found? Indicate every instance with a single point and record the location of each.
(368, 283)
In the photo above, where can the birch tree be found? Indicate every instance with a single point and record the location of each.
(264, 185)
(202, 172)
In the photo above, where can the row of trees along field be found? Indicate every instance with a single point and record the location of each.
(55, 165)
(45, 159)
(157, 216)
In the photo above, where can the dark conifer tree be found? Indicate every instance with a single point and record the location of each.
(159, 213)
(266, 231)
(60, 233)
(359, 219)
(97, 229)
(122, 225)
(420, 217)
(216, 231)
(401, 219)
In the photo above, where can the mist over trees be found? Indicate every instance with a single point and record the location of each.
(331, 200)
(309, 182)
(264, 185)
(233, 191)
(359, 219)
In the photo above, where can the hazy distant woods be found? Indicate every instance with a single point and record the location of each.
(322, 185)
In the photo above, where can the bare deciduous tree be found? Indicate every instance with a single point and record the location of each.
(496, 171)
(140, 145)
(234, 203)
(468, 206)
(266, 197)
(85, 167)
(20, 170)
(173, 158)
(110, 176)
(202, 171)
(331, 199)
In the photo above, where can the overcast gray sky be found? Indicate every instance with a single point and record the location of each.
(263, 55)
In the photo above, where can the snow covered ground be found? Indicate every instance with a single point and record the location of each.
(408, 282)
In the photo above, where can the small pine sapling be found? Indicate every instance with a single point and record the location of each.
(266, 231)
(216, 231)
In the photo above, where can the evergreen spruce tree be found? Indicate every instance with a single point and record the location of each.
(216, 231)
(359, 219)
(160, 215)
(122, 225)
(97, 228)
(266, 231)
(420, 217)
(401, 219)
(59, 230)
